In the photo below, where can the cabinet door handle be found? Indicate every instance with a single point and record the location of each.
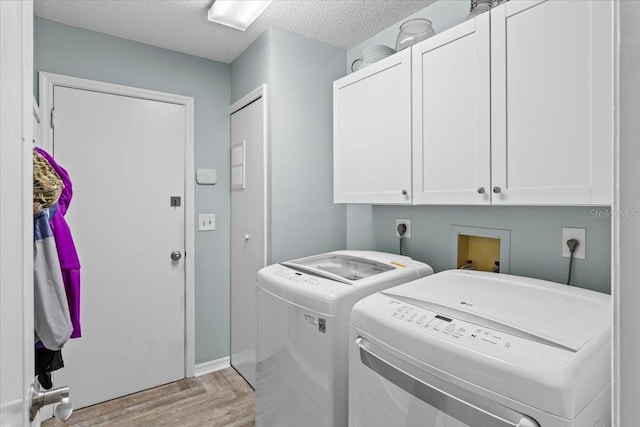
(496, 190)
(404, 192)
(480, 190)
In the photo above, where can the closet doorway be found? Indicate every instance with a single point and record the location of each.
(248, 224)
(129, 153)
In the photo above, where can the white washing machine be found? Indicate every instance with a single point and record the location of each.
(303, 323)
(465, 348)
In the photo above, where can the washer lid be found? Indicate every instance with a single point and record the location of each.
(340, 267)
(534, 309)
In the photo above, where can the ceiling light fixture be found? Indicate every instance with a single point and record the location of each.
(238, 14)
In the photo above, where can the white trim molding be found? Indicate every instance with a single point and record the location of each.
(616, 415)
(213, 366)
(16, 223)
(258, 92)
(47, 83)
(36, 111)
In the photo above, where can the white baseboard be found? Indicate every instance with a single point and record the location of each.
(213, 366)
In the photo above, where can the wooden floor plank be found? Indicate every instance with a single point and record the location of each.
(221, 398)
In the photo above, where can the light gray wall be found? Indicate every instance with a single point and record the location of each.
(536, 238)
(80, 53)
(248, 71)
(300, 73)
(535, 231)
(627, 291)
(252, 68)
(304, 219)
(360, 227)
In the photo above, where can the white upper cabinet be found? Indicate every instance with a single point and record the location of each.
(512, 107)
(372, 133)
(552, 102)
(451, 116)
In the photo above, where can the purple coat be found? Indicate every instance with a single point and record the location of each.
(69, 261)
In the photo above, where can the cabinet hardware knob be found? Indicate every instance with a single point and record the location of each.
(404, 192)
(496, 190)
(480, 190)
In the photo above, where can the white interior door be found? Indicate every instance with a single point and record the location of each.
(247, 231)
(16, 223)
(126, 157)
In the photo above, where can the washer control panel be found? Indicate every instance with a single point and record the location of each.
(294, 276)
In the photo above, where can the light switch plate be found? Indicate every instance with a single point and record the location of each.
(580, 234)
(206, 222)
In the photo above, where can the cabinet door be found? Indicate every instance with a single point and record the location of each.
(451, 116)
(552, 102)
(372, 133)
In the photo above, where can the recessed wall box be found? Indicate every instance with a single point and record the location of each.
(480, 248)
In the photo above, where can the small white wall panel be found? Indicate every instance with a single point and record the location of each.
(238, 166)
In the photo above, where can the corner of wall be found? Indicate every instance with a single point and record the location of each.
(304, 218)
(252, 67)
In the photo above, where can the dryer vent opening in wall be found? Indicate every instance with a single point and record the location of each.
(478, 253)
(483, 249)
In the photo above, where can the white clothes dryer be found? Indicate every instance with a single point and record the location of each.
(303, 323)
(463, 348)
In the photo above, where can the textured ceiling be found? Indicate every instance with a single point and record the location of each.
(182, 25)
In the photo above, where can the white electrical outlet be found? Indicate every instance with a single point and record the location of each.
(206, 222)
(407, 222)
(580, 234)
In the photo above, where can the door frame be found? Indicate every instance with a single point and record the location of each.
(16, 211)
(47, 83)
(259, 92)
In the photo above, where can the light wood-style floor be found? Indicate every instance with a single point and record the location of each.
(221, 398)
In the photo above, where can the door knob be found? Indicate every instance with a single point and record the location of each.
(176, 255)
(246, 237)
(41, 398)
(64, 409)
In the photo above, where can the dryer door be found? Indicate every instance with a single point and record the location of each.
(385, 390)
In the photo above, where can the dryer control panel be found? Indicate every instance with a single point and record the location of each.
(448, 326)
(475, 336)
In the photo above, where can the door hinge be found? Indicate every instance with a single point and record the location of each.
(53, 118)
